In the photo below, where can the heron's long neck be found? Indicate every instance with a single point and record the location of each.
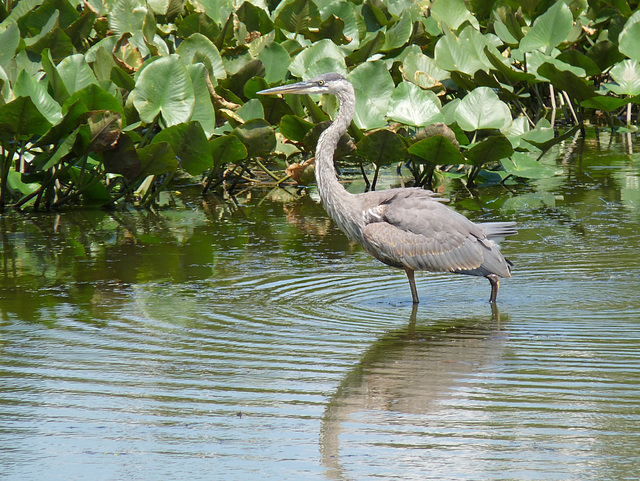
(334, 196)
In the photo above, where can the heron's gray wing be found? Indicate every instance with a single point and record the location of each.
(414, 231)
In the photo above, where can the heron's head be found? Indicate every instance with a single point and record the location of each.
(329, 83)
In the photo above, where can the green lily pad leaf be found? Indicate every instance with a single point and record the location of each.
(258, 137)
(382, 147)
(421, 70)
(297, 15)
(322, 57)
(64, 149)
(549, 29)
(203, 110)
(606, 103)
(369, 47)
(510, 73)
(350, 16)
(227, 149)
(274, 109)
(294, 128)
(251, 110)
(80, 30)
(127, 16)
(542, 133)
(464, 53)
(198, 48)
(43, 31)
(522, 165)
(578, 59)
(94, 97)
(626, 74)
(568, 81)
(157, 159)
(38, 18)
(17, 184)
(9, 39)
(413, 106)
(255, 18)
(494, 147)
(154, 94)
(482, 109)
(73, 116)
(504, 33)
(374, 80)
(604, 54)
(75, 73)
(437, 150)
(103, 66)
(276, 60)
(452, 13)
(333, 29)
(27, 86)
(367, 116)
(628, 39)
(19, 10)
(21, 117)
(237, 80)
(190, 144)
(57, 41)
(198, 23)
(399, 34)
(56, 86)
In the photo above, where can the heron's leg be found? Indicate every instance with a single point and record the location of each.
(495, 285)
(412, 284)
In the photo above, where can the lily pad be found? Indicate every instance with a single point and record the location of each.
(257, 136)
(154, 94)
(452, 13)
(522, 165)
(482, 109)
(276, 60)
(322, 57)
(198, 48)
(628, 39)
(190, 145)
(413, 106)
(157, 159)
(227, 149)
(437, 150)
(626, 74)
(294, 128)
(27, 86)
(21, 117)
(549, 29)
(382, 147)
(494, 147)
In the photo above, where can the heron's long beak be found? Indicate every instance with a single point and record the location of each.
(305, 87)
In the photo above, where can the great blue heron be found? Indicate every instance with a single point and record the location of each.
(406, 227)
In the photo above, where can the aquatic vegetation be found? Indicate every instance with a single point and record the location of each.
(104, 103)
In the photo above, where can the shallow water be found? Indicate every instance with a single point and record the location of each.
(243, 339)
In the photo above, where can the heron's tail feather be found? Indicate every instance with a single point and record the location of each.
(497, 231)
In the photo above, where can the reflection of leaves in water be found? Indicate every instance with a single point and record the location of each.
(410, 371)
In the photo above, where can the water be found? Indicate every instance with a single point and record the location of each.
(222, 340)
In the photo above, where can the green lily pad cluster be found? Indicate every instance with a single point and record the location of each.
(108, 101)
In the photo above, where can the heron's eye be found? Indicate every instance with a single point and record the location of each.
(320, 83)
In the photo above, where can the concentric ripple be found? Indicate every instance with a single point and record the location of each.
(247, 353)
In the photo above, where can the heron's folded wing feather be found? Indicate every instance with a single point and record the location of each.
(403, 248)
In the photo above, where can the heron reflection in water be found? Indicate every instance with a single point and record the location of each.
(407, 228)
